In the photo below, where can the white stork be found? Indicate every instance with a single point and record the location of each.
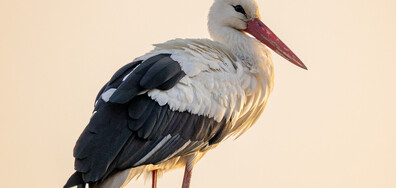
(169, 107)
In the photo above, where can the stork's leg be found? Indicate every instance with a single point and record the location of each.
(155, 177)
(187, 176)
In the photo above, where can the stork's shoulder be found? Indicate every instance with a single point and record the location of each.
(198, 55)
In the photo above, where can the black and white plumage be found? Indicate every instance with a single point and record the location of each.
(167, 108)
(132, 126)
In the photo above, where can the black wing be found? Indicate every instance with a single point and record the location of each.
(129, 129)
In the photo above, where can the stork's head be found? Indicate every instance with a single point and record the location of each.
(243, 16)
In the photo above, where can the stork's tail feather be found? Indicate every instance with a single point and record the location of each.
(75, 179)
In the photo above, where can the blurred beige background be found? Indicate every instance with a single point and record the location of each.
(331, 126)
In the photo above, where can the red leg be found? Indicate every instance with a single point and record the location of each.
(155, 176)
(187, 177)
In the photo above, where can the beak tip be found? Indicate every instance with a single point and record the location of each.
(299, 63)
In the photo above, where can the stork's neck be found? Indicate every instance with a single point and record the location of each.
(253, 54)
(255, 58)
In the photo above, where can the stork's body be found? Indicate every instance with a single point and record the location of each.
(167, 108)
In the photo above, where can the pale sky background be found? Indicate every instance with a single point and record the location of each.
(333, 126)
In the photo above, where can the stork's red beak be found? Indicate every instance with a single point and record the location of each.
(262, 33)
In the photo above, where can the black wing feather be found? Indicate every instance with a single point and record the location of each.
(138, 107)
(136, 124)
(130, 87)
(145, 131)
(171, 82)
(164, 70)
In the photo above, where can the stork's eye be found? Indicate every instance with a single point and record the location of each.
(239, 9)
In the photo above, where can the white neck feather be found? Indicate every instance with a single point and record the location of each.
(253, 54)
